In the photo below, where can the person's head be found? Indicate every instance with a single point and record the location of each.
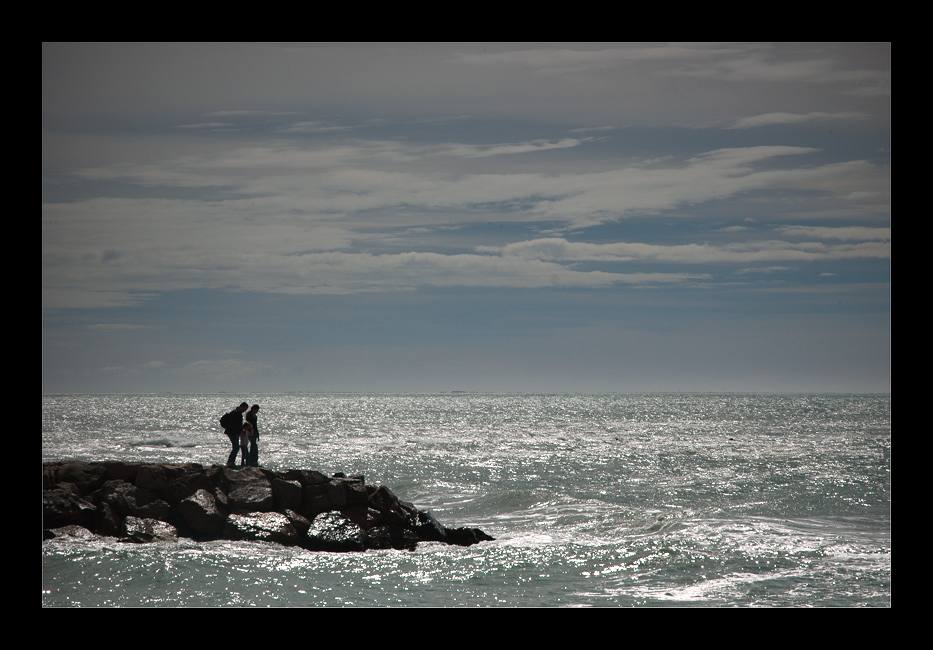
(255, 408)
(247, 427)
(243, 407)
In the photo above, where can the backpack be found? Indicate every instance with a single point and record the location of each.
(225, 420)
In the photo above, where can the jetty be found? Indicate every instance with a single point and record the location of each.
(145, 502)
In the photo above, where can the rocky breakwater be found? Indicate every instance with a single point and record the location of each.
(141, 502)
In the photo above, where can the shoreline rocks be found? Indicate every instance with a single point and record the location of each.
(143, 502)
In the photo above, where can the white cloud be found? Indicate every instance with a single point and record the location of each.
(348, 178)
(561, 250)
(793, 118)
(848, 233)
(294, 219)
(563, 60)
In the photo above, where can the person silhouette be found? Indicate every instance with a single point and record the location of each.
(254, 441)
(246, 435)
(233, 429)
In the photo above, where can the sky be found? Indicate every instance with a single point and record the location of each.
(489, 217)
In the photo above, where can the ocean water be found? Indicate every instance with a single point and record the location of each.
(709, 500)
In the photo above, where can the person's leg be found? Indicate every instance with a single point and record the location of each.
(231, 459)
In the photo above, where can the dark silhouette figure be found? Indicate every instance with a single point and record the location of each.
(245, 437)
(254, 440)
(233, 427)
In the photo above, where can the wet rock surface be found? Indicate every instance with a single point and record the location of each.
(141, 502)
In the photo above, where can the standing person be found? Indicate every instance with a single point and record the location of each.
(233, 427)
(245, 437)
(254, 441)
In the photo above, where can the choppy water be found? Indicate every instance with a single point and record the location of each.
(594, 500)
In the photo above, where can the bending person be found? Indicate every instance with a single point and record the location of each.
(233, 429)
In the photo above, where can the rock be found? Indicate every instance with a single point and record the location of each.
(286, 494)
(79, 532)
(305, 476)
(393, 512)
(158, 477)
(120, 495)
(152, 477)
(363, 516)
(87, 476)
(300, 524)
(250, 490)
(122, 471)
(395, 537)
(63, 508)
(428, 528)
(49, 478)
(331, 531)
(185, 485)
(155, 509)
(465, 536)
(142, 502)
(336, 494)
(70, 487)
(202, 512)
(108, 522)
(261, 526)
(143, 531)
(315, 500)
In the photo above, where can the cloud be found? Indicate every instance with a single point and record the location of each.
(331, 272)
(79, 295)
(561, 250)
(762, 270)
(368, 176)
(298, 219)
(848, 233)
(768, 119)
(121, 327)
(565, 60)
(750, 63)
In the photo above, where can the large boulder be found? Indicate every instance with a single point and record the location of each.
(305, 477)
(87, 476)
(465, 536)
(202, 513)
(396, 537)
(394, 511)
(332, 531)
(108, 523)
(122, 471)
(64, 508)
(78, 532)
(286, 494)
(301, 524)
(315, 499)
(364, 516)
(158, 477)
(121, 496)
(128, 500)
(184, 486)
(428, 528)
(143, 531)
(250, 490)
(261, 526)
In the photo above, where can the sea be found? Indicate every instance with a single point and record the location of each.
(594, 500)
